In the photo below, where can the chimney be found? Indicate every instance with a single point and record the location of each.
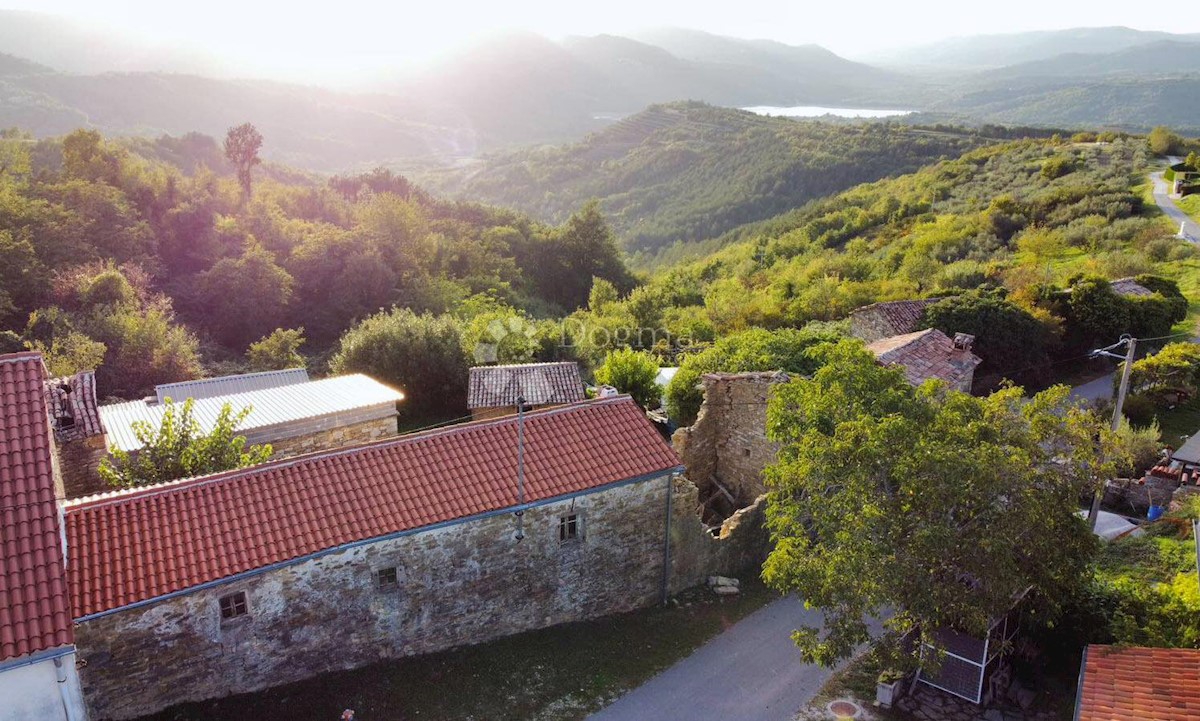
(963, 341)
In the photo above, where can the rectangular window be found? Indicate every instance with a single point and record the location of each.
(569, 528)
(386, 579)
(233, 605)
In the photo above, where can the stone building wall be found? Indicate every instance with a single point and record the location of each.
(728, 442)
(460, 584)
(326, 439)
(79, 461)
(738, 546)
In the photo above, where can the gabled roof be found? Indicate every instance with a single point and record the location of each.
(926, 354)
(76, 394)
(1132, 682)
(1189, 452)
(228, 385)
(34, 614)
(538, 383)
(270, 408)
(133, 546)
(900, 316)
(1129, 287)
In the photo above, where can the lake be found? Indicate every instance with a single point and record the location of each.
(816, 111)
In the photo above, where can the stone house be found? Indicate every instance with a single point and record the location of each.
(38, 678)
(494, 391)
(929, 354)
(885, 320)
(293, 414)
(247, 579)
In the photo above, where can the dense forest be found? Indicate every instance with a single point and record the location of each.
(684, 172)
(151, 262)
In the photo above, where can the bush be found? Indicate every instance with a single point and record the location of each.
(420, 354)
(277, 351)
(1138, 409)
(632, 372)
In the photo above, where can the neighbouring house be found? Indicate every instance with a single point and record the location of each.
(884, 320)
(494, 391)
(1117, 683)
(80, 436)
(1130, 288)
(38, 678)
(252, 578)
(929, 354)
(293, 414)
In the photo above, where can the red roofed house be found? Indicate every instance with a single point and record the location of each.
(929, 354)
(1122, 683)
(494, 391)
(38, 679)
(234, 582)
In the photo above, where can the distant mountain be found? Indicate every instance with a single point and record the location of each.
(689, 171)
(994, 51)
(1163, 57)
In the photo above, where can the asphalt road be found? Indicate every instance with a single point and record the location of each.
(750, 672)
(1191, 229)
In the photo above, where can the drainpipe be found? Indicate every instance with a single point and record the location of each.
(60, 672)
(666, 574)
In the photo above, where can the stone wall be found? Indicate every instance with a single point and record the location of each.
(79, 461)
(347, 435)
(728, 442)
(739, 546)
(461, 584)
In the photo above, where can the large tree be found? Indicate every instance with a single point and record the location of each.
(1011, 341)
(935, 505)
(242, 144)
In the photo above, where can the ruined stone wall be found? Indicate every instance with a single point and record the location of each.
(347, 435)
(740, 546)
(871, 324)
(728, 442)
(460, 584)
(79, 461)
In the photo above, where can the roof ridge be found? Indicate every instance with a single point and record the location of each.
(541, 364)
(22, 355)
(125, 494)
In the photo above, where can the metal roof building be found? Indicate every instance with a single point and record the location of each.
(227, 385)
(285, 410)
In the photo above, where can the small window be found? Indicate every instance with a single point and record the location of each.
(569, 528)
(233, 605)
(386, 579)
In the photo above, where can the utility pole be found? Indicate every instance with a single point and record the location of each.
(1130, 344)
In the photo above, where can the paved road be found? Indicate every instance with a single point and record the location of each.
(1095, 390)
(750, 672)
(1191, 229)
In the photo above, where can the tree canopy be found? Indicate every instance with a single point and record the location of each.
(632, 372)
(941, 507)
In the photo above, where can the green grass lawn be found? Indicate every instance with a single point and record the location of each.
(1181, 421)
(564, 672)
(1190, 204)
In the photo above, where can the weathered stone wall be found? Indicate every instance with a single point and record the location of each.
(347, 435)
(1135, 496)
(871, 324)
(728, 442)
(79, 461)
(740, 546)
(460, 584)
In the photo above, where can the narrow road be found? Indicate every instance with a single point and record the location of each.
(1101, 388)
(1191, 229)
(750, 672)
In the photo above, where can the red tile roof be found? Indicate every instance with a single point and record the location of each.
(926, 354)
(899, 316)
(538, 383)
(1131, 682)
(34, 615)
(77, 394)
(131, 546)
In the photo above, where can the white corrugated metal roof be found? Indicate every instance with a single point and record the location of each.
(226, 385)
(269, 406)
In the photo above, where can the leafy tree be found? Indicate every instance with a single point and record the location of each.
(1193, 162)
(1164, 142)
(22, 277)
(602, 293)
(277, 351)
(1175, 367)
(1057, 167)
(583, 249)
(242, 144)
(500, 335)
(632, 372)
(14, 154)
(70, 353)
(1009, 339)
(88, 158)
(936, 505)
(786, 349)
(420, 354)
(180, 448)
(243, 298)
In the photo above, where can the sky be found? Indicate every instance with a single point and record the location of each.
(323, 39)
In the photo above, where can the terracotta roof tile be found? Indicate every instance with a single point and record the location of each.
(78, 394)
(926, 354)
(538, 383)
(1120, 683)
(34, 615)
(901, 316)
(131, 546)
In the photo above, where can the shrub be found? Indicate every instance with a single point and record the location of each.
(632, 372)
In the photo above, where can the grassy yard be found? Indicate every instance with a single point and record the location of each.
(564, 672)
(1190, 204)
(1181, 421)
